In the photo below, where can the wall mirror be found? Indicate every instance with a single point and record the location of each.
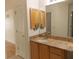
(56, 19)
(59, 19)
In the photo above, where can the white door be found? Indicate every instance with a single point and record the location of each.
(20, 18)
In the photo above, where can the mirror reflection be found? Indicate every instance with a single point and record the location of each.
(37, 18)
(59, 19)
(55, 19)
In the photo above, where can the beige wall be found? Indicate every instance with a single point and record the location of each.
(9, 26)
(9, 4)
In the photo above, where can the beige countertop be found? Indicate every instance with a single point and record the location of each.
(54, 43)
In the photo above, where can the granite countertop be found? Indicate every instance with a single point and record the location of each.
(68, 46)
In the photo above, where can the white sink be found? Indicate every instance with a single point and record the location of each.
(42, 40)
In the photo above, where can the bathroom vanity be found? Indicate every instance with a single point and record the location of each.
(57, 45)
(50, 48)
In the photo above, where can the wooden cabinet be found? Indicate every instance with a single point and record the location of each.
(55, 56)
(43, 51)
(34, 50)
(56, 53)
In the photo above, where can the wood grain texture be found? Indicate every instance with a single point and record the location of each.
(43, 51)
(54, 56)
(34, 50)
(57, 51)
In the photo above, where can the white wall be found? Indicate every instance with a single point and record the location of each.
(9, 26)
(35, 4)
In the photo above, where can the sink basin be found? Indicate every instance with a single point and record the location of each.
(42, 40)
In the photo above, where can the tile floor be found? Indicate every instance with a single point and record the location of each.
(11, 51)
(15, 57)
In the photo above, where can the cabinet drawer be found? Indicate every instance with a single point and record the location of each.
(54, 56)
(56, 51)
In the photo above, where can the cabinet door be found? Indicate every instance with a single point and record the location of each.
(43, 51)
(55, 56)
(34, 50)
